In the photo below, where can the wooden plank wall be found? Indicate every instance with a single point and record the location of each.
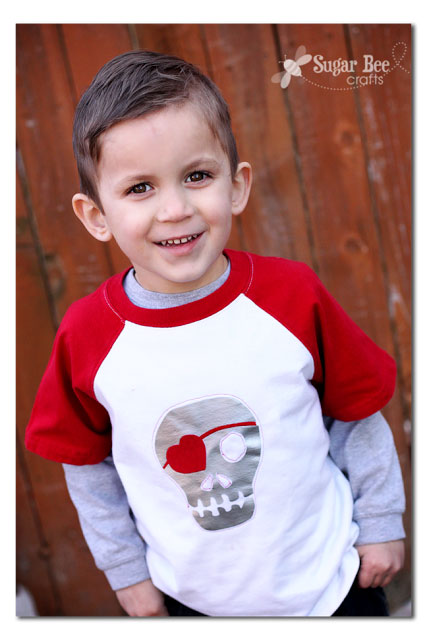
(332, 188)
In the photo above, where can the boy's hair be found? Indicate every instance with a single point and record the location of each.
(132, 85)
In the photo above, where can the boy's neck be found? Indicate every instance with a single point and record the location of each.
(142, 297)
(214, 272)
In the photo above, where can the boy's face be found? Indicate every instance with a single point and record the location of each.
(168, 198)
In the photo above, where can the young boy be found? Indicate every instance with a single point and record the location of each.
(216, 412)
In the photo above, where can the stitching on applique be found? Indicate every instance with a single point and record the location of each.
(224, 480)
(242, 452)
(252, 273)
(207, 483)
(111, 307)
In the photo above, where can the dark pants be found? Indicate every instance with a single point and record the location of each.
(363, 602)
(358, 602)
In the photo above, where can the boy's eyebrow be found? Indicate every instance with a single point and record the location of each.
(201, 161)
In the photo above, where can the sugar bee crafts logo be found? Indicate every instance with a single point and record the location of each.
(350, 74)
(292, 67)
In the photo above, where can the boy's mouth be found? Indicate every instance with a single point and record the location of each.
(177, 241)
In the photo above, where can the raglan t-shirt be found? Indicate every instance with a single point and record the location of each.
(213, 411)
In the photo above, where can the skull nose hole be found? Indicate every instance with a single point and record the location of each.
(224, 481)
(207, 483)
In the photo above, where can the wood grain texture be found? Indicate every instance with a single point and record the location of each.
(86, 49)
(243, 59)
(386, 122)
(76, 263)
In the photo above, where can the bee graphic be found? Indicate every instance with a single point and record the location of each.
(292, 67)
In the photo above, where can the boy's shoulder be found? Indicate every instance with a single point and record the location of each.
(275, 266)
(92, 312)
(275, 276)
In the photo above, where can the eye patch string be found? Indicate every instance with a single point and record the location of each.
(208, 433)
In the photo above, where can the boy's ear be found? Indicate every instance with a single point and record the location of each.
(242, 183)
(91, 216)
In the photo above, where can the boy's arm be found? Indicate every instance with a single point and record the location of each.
(110, 532)
(364, 451)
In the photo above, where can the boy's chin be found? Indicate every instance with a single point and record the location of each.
(184, 279)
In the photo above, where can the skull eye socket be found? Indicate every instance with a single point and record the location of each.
(233, 447)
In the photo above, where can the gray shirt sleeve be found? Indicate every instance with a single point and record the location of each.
(107, 523)
(364, 451)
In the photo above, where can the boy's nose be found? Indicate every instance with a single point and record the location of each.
(174, 206)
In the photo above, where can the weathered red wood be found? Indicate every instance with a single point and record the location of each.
(386, 110)
(88, 47)
(76, 262)
(386, 116)
(31, 566)
(182, 40)
(23, 231)
(335, 181)
(243, 59)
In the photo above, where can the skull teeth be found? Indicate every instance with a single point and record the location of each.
(226, 504)
(214, 506)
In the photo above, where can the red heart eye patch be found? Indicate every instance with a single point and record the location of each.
(189, 455)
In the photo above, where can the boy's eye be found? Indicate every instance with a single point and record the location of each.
(142, 187)
(197, 176)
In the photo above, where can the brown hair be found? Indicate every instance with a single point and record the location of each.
(132, 85)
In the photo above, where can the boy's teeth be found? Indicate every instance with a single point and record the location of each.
(164, 243)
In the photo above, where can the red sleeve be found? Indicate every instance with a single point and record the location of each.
(353, 376)
(67, 423)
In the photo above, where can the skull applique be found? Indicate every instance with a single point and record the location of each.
(211, 448)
